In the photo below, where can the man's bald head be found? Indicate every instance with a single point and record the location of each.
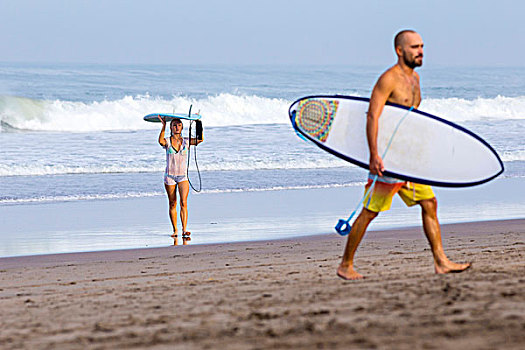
(400, 37)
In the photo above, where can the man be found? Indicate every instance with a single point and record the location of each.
(400, 85)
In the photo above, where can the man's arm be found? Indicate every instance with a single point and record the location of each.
(380, 94)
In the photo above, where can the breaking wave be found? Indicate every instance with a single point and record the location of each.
(20, 113)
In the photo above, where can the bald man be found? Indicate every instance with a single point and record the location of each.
(399, 85)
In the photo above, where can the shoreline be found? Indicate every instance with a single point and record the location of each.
(276, 294)
(100, 225)
(408, 232)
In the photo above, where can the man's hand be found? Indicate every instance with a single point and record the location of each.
(376, 165)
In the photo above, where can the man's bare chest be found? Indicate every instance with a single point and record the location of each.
(407, 94)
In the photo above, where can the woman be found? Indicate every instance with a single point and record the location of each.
(175, 176)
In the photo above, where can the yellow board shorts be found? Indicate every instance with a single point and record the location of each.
(384, 191)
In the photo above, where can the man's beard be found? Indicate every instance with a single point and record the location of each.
(412, 63)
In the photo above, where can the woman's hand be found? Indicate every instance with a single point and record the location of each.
(162, 120)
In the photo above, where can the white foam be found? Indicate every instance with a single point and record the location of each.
(241, 165)
(278, 164)
(458, 109)
(39, 170)
(512, 156)
(283, 188)
(219, 110)
(127, 113)
(70, 198)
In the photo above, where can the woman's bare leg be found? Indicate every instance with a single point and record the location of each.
(184, 190)
(172, 198)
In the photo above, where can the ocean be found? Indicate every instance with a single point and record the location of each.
(72, 132)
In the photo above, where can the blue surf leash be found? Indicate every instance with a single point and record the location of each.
(343, 227)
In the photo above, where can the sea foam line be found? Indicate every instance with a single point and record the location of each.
(14, 170)
(204, 166)
(71, 198)
(218, 110)
(128, 112)
(458, 109)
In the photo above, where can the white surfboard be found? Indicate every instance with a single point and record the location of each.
(425, 149)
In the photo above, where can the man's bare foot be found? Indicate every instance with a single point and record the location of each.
(450, 267)
(348, 273)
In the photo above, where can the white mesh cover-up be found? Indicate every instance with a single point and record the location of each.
(176, 162)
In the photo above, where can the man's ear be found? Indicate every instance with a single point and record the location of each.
(399, 50)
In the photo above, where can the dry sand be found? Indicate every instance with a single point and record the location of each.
(274, 294)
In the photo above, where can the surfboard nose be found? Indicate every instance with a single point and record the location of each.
(314, 117)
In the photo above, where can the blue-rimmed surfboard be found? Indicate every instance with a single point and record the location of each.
(154, 117)
(425, 148)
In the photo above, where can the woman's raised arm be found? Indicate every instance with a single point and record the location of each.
(162, 140)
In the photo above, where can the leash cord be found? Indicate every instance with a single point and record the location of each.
(196, 164)
(339, 227)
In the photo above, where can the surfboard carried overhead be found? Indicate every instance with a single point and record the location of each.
(425, 148)
(154, 117)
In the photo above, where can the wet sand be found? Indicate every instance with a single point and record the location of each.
(280, 294)
(134, 223)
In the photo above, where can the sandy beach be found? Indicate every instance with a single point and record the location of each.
(273, 294)
(87, 258)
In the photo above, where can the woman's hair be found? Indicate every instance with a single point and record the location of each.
(176, 120)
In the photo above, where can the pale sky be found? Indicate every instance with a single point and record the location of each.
(469, 32)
